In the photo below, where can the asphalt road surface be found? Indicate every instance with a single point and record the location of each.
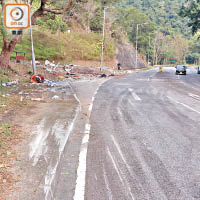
(145, 138)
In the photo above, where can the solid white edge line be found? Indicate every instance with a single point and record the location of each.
(90, 107)
(81, 171)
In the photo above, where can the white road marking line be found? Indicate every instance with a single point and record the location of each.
(135, 96)
(190, 108)
(87, 128)
(81, 171)
(93, 98)
(90, 107)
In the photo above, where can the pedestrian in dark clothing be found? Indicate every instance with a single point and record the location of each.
(118, 66)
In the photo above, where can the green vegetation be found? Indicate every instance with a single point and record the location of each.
(95, 21)
(5, 128)
(3, 78)
(164, 13)
(194, 50)
(64, 46)
(191, 10)
(128, 18)
(169, 35)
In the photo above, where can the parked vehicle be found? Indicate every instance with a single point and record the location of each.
(181, 69)
(198, 70)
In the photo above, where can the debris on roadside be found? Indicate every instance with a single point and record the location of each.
(55, 97)
(3, 105)
(50, 83)
(103, 76)
(37, 79)
(10, 83)
(36, 99)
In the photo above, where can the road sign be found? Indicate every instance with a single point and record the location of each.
(172, 61)
(16, 16)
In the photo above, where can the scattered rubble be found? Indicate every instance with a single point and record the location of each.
(10, 83)
(37, 79)
(55, 97)
(36, 99)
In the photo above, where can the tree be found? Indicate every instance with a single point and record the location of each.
(194, 50)
(128, 18)
(96, 21)
(191, 9)
(163, 13)
(169, 47)
(10, 41)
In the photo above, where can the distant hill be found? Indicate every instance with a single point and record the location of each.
(163, 12)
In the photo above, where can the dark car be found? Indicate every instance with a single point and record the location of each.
(198, 70)
(181, 69)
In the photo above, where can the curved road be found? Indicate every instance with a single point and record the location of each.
(145, 138)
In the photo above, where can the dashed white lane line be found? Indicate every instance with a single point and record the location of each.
(135, 96)
(188, 107)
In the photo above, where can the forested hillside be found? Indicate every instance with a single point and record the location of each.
(164, 13)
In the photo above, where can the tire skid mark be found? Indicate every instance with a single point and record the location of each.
(39, 146)
(62, 141)
(110, 196)
(120, 153)
(186, 106)
(120, 175)
(147, 170)
(60, 132)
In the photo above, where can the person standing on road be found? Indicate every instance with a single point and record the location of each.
(118, 66)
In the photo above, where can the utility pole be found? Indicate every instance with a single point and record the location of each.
(136, 46)
(149, 49)
(103, 38)
(32, 46)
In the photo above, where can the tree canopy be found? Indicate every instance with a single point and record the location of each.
(191, 10)
(164, 13)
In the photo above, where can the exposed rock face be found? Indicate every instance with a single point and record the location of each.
(126, 56)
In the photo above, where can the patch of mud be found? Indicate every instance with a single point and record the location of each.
(47, 125)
